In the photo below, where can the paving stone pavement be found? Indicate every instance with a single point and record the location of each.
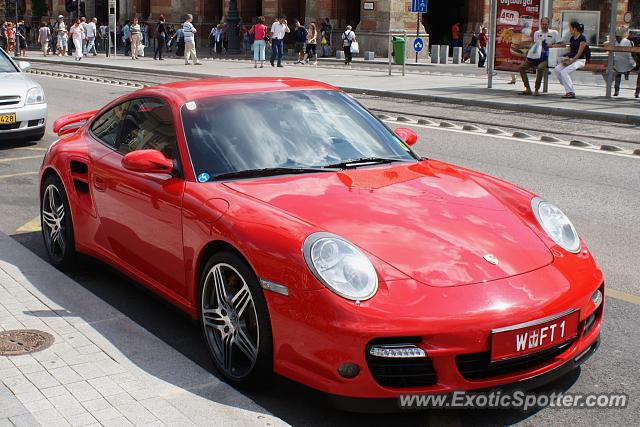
(102, 369)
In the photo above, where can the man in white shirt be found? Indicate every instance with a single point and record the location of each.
(278, 30)
(91, 37)
(189, 32)
(549, 38)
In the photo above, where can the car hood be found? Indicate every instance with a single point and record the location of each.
(15, 84)
(429, 220)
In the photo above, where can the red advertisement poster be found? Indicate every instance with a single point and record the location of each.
(516, 22)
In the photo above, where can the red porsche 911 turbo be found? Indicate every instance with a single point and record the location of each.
(311, 241)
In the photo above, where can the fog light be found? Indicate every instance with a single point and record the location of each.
(348, 370)
(397, 351)
(41, 121)
(597, 298)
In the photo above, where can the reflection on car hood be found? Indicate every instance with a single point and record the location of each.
(429, 220)
(15, 84)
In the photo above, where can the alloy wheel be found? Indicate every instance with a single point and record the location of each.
(230, 321)
(54, 222)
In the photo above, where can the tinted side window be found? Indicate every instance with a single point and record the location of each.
(105, 128)
(148, 125)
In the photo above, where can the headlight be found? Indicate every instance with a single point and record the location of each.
(556, 225)
(35, 96)
(340, 266)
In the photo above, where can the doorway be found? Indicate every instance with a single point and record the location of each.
(440, 18)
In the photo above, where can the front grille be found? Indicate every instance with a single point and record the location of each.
(476, 366)
(10, 126)
(403, 372)
(9, 100)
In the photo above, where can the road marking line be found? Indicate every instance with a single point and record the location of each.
(31, 226)
(19, 174)
(11, 159)
(614, 293)
(32, 148)
(511, 138)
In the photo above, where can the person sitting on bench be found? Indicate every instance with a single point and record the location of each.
(545, 39)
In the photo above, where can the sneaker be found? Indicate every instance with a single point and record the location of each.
(198, 63)
(280, 66)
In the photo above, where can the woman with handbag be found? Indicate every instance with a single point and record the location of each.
(348, 39)
(135, 37)
(259, 31)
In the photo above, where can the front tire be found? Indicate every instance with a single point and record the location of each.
(235, 320)
(56, 223)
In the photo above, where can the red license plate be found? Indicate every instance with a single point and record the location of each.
(530, 337)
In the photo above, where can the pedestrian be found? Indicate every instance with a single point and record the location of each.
(161, 38)
(4, 42)
(91, 37)
(135, 37)
(61, 36)
(144, 30)
(77, 35)
(189, 32)
(11, 37)
(455, 35)
(21, 38)
(300, 37)
(473, 43)
(102, 31)
(218, 37)
(538, 56)
(259, 31)
(576, 58)
(623, 62)
(483, 41)
(278, 30)
(126, 38)
(325, 37)
(44, 36)
(348, 37)
(172, 38)
(312, 38)
(83, 24)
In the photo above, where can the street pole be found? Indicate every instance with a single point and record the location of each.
(549, 14)
(492, 42)
(418, 32)
(612, 37)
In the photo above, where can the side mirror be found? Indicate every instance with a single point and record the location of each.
(147, 161)
(24, 65)
(407, 136)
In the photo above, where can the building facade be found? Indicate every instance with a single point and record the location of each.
(372, 20)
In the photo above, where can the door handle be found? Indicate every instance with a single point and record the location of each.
(99, 183)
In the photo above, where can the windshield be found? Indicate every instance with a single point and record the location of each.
(296, 129)
(5, 64)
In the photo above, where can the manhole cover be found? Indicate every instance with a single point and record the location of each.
(23, 341)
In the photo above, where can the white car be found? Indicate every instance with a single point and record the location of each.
(23, 107)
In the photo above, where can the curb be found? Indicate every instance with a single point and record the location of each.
(518, 135)
(524, 108)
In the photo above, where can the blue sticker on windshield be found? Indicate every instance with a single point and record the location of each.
(203, 177)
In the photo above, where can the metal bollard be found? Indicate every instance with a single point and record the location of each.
(473, 55)
(435, 53)
(457, 55)
(444, 53)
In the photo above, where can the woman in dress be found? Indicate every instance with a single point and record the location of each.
(135, 37)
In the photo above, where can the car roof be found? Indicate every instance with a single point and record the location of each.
(190, 90)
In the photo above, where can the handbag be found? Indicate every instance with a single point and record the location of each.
(323, 41)
(355, 48)
(535, 51)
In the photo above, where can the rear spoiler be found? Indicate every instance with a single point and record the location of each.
(72, 122)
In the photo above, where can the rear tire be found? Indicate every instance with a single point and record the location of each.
(57, 224)
(235, 320)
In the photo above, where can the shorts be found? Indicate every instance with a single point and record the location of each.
(299, 47)
(62, 42)
(311, 49)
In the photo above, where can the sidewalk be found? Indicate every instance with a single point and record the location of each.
(465, 88)
(103, 368)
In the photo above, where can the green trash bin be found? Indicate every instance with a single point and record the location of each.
(398, 50)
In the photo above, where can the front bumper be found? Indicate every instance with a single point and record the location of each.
(447, 323)
(31, 120)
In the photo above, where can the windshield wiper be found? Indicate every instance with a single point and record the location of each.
(254, 173)
(354, 163)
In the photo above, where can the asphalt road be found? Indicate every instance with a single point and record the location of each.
(597, 190)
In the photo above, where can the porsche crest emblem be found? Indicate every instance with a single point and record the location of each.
(491, 259)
